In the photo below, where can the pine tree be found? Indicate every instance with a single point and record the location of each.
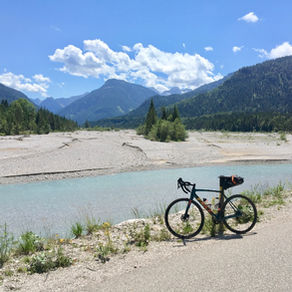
(175, 114)
(151, 118)
(163, 113)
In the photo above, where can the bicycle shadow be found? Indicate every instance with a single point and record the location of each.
(217, 237)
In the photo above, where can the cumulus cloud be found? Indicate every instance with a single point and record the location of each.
(147, 65)
(19, 82)
(236, 49)
(41, 78)
(208, 49)
(126, 49)
(282, 50)
(250, 17)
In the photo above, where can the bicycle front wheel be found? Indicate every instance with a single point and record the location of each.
(240, 214)
(184, 218)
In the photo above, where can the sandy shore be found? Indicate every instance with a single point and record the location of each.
(86, 153)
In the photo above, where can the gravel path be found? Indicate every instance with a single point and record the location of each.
(259, 261)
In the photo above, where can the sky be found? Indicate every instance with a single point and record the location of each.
(63, 48)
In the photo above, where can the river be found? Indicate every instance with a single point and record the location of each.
(51, 207)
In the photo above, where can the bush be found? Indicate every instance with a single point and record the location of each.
(29, 243)
(141, 238)
(47, 261)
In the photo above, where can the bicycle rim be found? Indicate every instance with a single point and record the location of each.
(184, 225)
(240, 214)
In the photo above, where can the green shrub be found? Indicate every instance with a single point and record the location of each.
(91, 225)
(77, 229)
(104, 250)
(29, 243)
(141, 238)
(41, 263)
(47, 261)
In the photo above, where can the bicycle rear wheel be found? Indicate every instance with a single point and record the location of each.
(181, 224)
(240, 214)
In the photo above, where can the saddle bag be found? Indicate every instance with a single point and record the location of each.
(230, 181)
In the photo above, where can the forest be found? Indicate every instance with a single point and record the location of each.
(241, 122)
(21, 116)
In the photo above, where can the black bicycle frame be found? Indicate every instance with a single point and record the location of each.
(202, 203)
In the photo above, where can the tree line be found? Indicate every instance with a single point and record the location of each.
(167, 127)
(241, 122)
(21, 116)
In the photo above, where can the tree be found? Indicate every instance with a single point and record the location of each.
(175, 114)
(86, 124)
(151, 118)
(163, 113)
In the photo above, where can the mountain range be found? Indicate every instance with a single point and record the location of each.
(55, 105)
(114, 98)
(262, 88)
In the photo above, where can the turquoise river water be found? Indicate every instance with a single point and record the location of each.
(52, 207)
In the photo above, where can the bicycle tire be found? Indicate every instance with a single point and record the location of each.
(240, 214)
(180, 227)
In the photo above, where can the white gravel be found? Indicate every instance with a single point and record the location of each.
(84, 153)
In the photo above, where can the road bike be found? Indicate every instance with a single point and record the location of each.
(184, 217)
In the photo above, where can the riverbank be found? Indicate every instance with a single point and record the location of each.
(89, 153)
(133, 250)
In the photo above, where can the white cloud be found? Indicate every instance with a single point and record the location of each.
(20, 82)
(250, 17)
(282, 50)
(149, 65)
(184, 45)
(262, 53)
(126, 49)
(236, 49)
(41, 78)
(209, 49)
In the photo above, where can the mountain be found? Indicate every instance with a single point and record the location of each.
(10, 94)
(51, 104)
(251, 93)
(54, 105)
(265, 87)
(136, 117)
(114, 98)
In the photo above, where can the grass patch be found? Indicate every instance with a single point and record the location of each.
(6, 243)
(77, 230)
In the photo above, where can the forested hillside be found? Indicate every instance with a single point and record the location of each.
(253, 98)
(265, 87)
(114, 98)
(136, 117)
(21, 116)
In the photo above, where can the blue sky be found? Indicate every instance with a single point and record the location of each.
(63, 48)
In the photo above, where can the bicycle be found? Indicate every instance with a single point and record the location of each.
(184, 217)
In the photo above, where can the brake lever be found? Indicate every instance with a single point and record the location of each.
(179, 183)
